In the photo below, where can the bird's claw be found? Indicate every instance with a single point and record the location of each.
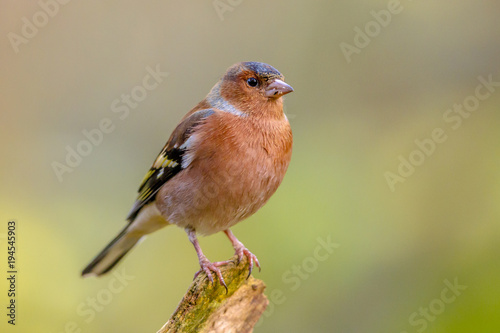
(209, 267)
(243, 251)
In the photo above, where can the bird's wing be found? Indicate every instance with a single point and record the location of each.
(169, 161)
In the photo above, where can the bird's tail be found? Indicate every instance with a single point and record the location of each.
(112, 253)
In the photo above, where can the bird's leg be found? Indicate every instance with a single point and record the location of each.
(205, 264)
(240, 250)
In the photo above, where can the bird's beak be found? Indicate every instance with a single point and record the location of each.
(278, 88)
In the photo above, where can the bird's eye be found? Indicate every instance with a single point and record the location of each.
(252, 82)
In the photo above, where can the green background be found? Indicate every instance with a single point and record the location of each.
(351, 122)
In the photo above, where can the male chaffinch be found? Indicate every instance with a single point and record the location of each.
(221, 164)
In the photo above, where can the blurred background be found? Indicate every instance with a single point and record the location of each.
(395, 165)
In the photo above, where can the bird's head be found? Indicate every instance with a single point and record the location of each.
(254, 88)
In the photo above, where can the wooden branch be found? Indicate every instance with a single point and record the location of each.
(207, 308)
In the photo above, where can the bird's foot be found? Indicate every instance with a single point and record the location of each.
(242, 251)
(209, 267)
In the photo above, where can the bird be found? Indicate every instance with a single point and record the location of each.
(220, 165)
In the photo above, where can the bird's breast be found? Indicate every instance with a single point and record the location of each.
(234, 171)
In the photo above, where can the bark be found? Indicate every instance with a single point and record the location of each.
(206, 307)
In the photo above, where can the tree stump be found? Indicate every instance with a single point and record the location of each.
(206, 307)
